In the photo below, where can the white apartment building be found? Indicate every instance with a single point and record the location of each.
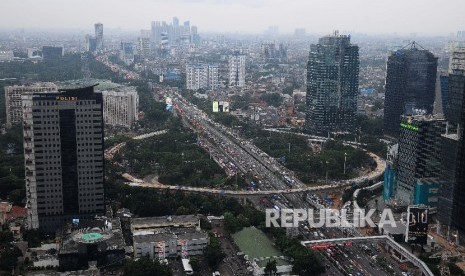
(237, 70)
(120, 107)
(202, 77)
(170, 243)
(14, 113)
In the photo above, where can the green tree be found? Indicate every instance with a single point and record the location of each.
(270, 268)
(273, 99)
(9, 256)
(145, 267)
(195, 264)
(213, 253)
(230, 223)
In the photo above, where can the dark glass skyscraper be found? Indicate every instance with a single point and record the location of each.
(451, 207)
(419, 154)
(332, 85)
(458, 209)
(410, 85)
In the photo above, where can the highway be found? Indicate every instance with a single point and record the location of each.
(235, 154)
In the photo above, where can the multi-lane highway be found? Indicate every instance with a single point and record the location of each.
(236, 154)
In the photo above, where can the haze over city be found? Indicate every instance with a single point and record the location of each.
(232, 137)
(425, 17)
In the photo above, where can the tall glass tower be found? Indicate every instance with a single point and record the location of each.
(332, 85)
(410, 85)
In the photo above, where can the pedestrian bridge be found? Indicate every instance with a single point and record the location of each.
(388, 240)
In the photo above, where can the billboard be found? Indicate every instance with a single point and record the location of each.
(417, 224)
(220, 106)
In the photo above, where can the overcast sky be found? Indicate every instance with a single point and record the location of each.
(250, 16)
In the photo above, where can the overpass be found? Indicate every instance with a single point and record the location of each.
(312, 138)
(388, 240)
(135, 182)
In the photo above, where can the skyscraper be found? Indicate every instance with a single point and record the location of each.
(143, 46)
(419, 155)
(410, 85)
(237, 70)
(452, 197)
(332, 85)
(63, 150)
(458, 209)
(99, 36)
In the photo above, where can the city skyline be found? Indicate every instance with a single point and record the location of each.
(221, 15)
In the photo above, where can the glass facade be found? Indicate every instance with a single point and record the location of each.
(332, 85)
(410, 86)
(419, 154)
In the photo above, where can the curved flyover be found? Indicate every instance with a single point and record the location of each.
(133, 181)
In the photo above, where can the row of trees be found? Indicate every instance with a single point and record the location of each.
(175, 157)
(12, 186)
(294, 152)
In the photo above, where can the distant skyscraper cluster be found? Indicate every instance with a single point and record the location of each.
(202, 76)
(332, 85)
(410, 85)
(163, 33)
(271, 52)
(95, 43)
(236, 64)
(300, 32)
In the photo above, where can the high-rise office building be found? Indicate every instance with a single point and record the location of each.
(237, 70)
(52, 52)
(202, 77)
(63, 152)
(332, 85)
(120, 107)
(13, 104)
(458, 206)
(143, 46)
(410, 85)
(99, 36)
(90, 43)
(127, 52)
(419, 154)
(452, 196)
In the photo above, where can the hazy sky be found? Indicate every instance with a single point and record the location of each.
(251, 16)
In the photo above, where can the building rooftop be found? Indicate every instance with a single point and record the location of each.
(99, 84)
(169, 234)
(108, 237)
(166, 221)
